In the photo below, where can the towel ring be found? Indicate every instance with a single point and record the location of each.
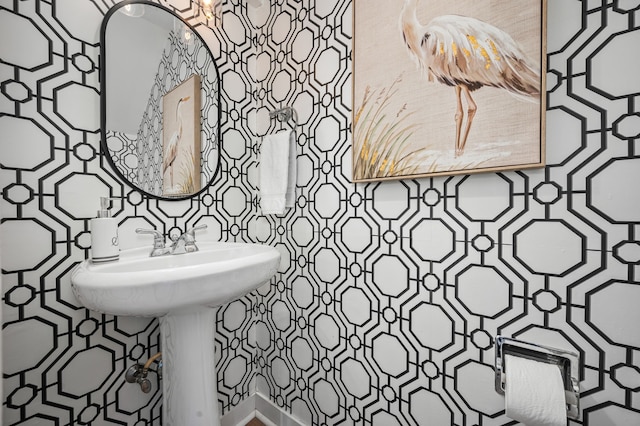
(285, 114)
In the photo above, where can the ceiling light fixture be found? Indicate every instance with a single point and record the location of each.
(212, 10)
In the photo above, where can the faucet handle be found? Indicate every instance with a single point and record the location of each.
(192, 231)
(158, 238)
(186, 243)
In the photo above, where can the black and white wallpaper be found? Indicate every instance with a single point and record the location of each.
(63, 364)
(389, 295)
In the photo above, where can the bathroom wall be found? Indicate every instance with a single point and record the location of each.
(64, 364)
(1, 388)
(390, 294)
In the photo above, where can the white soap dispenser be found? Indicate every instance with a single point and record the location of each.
(105, 246)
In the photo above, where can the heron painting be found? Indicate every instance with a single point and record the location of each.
(447, 87)
(181, 139)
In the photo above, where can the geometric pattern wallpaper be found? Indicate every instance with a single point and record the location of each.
(64, 364)
(389, 295)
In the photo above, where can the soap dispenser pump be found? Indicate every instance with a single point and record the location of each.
(105, 246)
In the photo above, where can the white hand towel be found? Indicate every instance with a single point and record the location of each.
(278, 172)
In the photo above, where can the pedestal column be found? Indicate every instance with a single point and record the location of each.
(189, 382)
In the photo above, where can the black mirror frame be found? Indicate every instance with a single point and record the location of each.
(103, 101)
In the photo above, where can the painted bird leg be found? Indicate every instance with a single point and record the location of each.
(458, 117)
(471, 112)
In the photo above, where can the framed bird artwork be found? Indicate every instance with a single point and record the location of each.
(181, 152)
(445, 87)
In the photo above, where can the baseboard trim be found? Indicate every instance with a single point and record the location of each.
(241, 414)
(260, 407)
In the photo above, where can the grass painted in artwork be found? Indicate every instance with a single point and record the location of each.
(381, 148)
(381, 136)
(186, 172)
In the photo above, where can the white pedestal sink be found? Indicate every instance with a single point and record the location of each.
(184, 291)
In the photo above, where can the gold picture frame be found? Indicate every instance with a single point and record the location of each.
(181, 152)
(446, 87)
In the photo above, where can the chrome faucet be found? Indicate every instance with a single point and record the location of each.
(159, 248)
(185, 243)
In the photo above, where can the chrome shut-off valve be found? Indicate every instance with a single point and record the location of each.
(138, 373)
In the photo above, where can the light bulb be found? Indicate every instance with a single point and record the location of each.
(208, 13)
(211, 9)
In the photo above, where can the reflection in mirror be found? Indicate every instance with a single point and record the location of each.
(160, 101)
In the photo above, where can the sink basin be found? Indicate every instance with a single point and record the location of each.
(139, 285)
(184, 291)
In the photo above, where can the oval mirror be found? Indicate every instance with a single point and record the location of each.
(160, 101)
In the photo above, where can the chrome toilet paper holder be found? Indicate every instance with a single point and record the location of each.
(568, 363)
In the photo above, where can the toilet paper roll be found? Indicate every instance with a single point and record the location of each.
(534, 392)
